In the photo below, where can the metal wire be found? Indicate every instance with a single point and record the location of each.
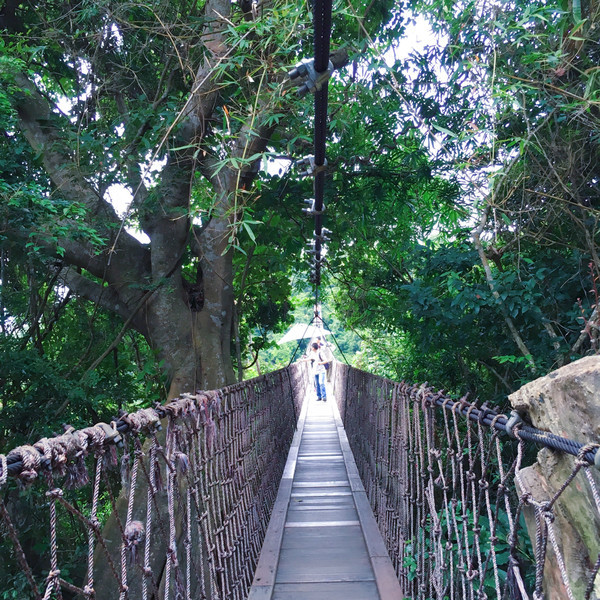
(322, 36)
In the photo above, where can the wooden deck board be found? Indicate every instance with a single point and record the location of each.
(325, 548)
(326, 591)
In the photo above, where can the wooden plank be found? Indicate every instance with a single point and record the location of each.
(385, 575)
(326, 544)
(364, 590)
(322, 564)
(264, 576)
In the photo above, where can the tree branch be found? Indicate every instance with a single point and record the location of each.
(105, 297)
(492, 285)
(37, 123)
(41, 130)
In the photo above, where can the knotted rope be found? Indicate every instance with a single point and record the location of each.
(221, 458)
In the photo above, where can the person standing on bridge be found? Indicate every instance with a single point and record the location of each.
(319, 371)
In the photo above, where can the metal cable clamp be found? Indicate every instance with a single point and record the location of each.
(310, 210)
(310, 79)
(324, 237)
(514, 420)
(111, 435)
(311, 168)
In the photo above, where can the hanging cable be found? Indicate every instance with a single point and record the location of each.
(300, 341)
(322, 38)
(313, 75)
(336, 342)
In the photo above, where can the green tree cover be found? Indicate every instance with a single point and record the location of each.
(177, 103)
(510, 92)
(473, 264)
(493, 129)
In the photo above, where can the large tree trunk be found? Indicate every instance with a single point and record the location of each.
(194, 346)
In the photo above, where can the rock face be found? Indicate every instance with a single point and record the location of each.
(565, 402)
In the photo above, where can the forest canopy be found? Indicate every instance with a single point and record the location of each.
(151, 234)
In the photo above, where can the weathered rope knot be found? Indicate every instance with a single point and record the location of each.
(547, 512)
(95, 524)
(89, 591)
(54, 574)
(54, 494)
(495, 420)
(145, 419)
(581, 460)
(44, 448)
(526, 498)
(31, 461)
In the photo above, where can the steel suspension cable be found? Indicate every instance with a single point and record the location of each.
(322, 43)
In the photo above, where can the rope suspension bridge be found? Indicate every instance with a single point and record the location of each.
(389, 490)
(198, 486)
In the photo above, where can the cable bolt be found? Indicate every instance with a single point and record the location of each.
(514, 420)
(319, 261)
(310, 79)
(311, 168)
(324, 237)
(111, 435)
(310, 210)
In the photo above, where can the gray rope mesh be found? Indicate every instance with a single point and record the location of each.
(194, 506)
(448, 494)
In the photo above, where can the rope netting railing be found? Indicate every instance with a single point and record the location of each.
(183, 517)
(448, 494)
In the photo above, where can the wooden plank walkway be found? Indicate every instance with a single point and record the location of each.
(323, 542)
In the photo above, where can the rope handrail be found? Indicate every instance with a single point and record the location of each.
(437, 481)
(146, 419)
(512, 425)
(453, 499)
(479, 414)
(192, 507)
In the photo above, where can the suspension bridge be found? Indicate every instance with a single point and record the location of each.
(387, 491)
(257, 491)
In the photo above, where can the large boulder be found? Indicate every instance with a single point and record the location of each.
(567, 403)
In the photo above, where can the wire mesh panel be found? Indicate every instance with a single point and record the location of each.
(183, 517)
(448, 494)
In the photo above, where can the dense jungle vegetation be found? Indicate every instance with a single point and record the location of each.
(151, 237)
